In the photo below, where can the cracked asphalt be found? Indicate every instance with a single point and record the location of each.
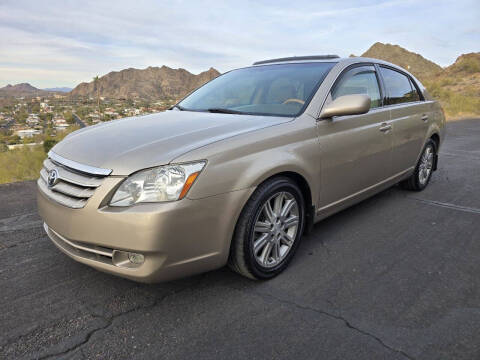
(394, 277)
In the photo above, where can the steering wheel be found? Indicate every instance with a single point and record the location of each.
(301, 102)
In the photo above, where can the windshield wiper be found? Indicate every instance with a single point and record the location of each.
(181, 108)
(224, 111)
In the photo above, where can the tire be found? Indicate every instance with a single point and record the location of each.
(249, 252)
(424, 169)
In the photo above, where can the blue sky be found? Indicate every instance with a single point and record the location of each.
(64, 42)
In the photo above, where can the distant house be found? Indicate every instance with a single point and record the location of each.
(18, 146)
(32, 119)
(60, 124)
(25, 133)
(111, 113)
(94, 116)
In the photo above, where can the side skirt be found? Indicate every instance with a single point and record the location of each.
(348, 201)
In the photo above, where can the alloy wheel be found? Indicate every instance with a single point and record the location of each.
(275, 229)
(426, 165)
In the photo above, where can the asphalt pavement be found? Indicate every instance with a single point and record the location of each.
(78, 121)
(394, 277)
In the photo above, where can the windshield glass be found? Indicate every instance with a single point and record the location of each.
(281, 90)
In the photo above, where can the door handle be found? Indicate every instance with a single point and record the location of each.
(425, 117)
(385, 127)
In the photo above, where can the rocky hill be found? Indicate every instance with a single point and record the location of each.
(415, 63)
(463, 76)
(456, 86)
(150, 83)
(23, 89)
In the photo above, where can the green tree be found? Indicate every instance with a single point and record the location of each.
(69, 117)
(14, 139)
(48, 144)
(35, 108)
(21, 116)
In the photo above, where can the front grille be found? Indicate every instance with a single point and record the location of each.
(72, 189)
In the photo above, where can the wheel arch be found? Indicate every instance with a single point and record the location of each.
(302, 182)
(436, 138)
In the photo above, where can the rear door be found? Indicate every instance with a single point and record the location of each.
(356, 150)
(410, 116)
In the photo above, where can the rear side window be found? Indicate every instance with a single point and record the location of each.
(359, 80)
(398, 87)
(415, 94)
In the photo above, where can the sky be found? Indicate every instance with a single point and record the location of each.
(50, 43)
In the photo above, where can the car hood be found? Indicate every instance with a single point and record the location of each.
(130, 144)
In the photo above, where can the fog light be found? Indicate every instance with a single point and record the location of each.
(136, 258)
(127, 259)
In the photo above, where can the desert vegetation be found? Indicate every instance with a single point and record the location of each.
(24, 163)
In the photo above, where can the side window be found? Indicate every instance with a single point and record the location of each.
(415, 94)
(359, 80)
(399, 88)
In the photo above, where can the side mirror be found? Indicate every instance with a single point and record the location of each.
(347, 105)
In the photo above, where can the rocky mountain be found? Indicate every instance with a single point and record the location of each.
(415, 63)
(150, 83)
(23, 89)
(463, 76)
(457, 86)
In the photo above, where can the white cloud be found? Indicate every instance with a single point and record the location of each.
(70, 42)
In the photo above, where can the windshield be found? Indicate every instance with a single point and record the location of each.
(280, 90)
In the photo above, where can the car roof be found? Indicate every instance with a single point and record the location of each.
(297, 59)
(322, 58)
(331, 59)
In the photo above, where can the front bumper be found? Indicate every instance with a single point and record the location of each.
(177, 239)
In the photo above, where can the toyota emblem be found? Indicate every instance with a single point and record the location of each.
(52, 177)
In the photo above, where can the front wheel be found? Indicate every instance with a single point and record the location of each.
(269, 230)
(424, 169)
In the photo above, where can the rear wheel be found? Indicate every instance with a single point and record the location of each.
(269, 230)
(424, 169)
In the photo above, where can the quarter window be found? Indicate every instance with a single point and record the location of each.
(398, 87)
(359, 80)
(415, 94)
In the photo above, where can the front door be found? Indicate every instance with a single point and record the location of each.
(355, 150)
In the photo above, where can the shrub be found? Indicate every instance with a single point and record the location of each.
(48, 144)
(21, 164)
(469, 65)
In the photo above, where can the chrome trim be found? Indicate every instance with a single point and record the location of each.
(74, 178)
(77, 166)
(74, 203)
(76, 245)
(292, 59)
(68, 189)
(91, 252)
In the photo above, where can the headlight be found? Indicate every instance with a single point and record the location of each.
(163, 183)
